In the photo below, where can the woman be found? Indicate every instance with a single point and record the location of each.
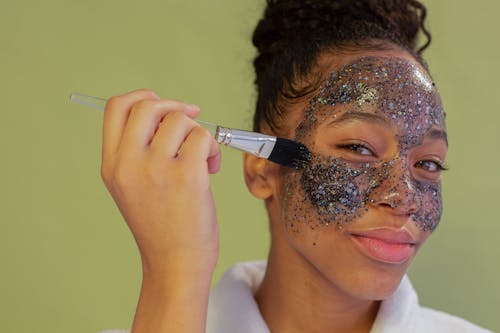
(344, 78)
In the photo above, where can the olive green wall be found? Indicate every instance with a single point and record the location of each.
(68, 262)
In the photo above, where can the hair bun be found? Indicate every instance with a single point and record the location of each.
(292, 33)
(286, 21)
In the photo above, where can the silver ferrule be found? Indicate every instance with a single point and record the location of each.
(257, 144)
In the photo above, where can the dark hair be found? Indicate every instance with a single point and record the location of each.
(293, 33)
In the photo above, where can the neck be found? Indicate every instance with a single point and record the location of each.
(295, 297)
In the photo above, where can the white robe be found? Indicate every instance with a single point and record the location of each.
(232, 308)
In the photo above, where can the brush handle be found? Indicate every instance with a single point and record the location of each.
(257, 144)
(99, 103)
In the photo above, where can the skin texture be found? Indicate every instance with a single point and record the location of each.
(318, 275)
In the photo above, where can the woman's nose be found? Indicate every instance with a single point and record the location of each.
(397, 191)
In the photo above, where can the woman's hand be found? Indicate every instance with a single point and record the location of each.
(156, 162)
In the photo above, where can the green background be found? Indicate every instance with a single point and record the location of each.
(68, 262)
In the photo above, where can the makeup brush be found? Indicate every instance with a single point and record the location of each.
(285, 152)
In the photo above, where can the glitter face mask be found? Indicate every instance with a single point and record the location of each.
(338, 190)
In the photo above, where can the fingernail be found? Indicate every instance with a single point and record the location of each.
(193, 107)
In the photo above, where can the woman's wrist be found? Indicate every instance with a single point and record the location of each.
(173, 298)
(175, 283)
(181, 266)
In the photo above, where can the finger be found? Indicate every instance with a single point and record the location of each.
(115, 117)
(199, 146)
(145, 118)
(171, 133)
(214, 163)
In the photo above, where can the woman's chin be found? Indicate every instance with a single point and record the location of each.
(360, 277)
(371, 285)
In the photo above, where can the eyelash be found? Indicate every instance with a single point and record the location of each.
(355, 146)
(440, 167)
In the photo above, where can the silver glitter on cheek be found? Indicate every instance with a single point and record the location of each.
(339, 190)
(431, 208)
(331, 190)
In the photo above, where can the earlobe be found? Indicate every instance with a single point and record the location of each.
(260, 176)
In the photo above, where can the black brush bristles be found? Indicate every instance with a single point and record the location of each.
(290, 153)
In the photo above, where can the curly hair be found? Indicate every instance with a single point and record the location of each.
(293, 33)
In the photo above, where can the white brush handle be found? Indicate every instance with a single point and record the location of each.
(257, 144)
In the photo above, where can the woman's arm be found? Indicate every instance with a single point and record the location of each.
(173, 301)
(156, 162)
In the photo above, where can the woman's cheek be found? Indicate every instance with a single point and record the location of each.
(428, 215)
(330, 191)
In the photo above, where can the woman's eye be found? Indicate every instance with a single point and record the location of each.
(430, 166)
(358, 149)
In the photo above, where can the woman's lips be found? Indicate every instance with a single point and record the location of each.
(386, 245)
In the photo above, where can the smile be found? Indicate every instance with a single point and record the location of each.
(385, 245)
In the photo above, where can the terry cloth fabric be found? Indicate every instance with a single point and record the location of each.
(232, 308)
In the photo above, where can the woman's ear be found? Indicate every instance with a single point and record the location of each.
(261, 176)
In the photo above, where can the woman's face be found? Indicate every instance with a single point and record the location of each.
(372, 193)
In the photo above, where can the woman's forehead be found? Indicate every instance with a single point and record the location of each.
(397, 89)
(377, 80)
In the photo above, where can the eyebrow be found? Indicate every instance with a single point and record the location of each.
(351, 116)
(437, 134)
